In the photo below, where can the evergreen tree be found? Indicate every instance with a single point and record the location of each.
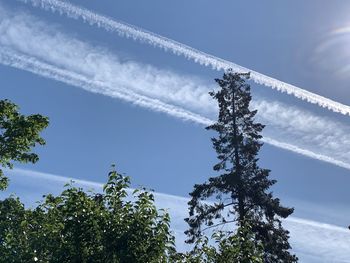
(242, 189)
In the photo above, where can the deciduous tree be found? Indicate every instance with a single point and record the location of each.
(240, 247)
(76, 226)
(18, 135)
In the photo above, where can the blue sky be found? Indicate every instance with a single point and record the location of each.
(293, 42)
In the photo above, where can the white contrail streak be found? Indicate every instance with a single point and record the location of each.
(198, 56)
(23, 62)
(33, 65)
(305, 152)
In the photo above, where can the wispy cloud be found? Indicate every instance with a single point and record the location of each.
(20, 61)
(137, 33)
(312, 241)
(29, 44)
(312, 133)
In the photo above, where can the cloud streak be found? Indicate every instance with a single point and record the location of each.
(137, 33)
(51, 54)
(20, 61)
(23, 62)
(312, 241)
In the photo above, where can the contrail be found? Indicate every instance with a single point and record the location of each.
(127, 30)
(305, 152)
(20, 61)
(31, 64)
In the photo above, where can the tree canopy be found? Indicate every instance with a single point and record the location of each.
(77, 226)
(18, 135)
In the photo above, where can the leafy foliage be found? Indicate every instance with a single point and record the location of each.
(240, 247)
(242, 189)
(18, 135)
(80, 227)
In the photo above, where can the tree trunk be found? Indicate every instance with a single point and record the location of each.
(241, 210)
